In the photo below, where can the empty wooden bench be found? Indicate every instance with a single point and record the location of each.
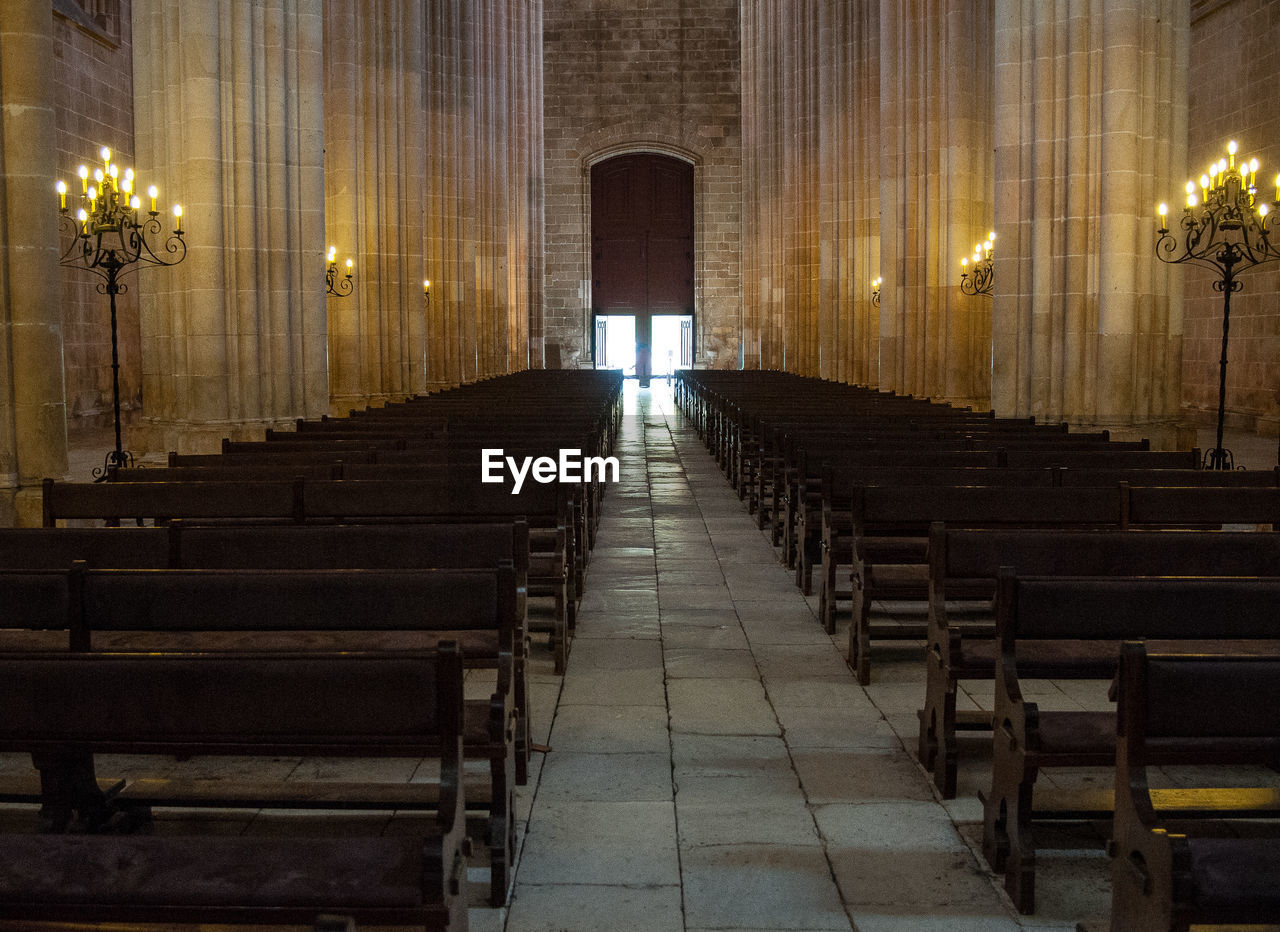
(1170, 866)
(303, 611)
(962, 561)
(891, 530)
(398, 546)
(547, 509)
(1080, 623)
(64, 707)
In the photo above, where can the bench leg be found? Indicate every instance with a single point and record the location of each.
(806, 547)
(72, 801)
(827, 593)
(788, 536)
(1006, 836)
(937, 743)
(560, 630)
(859, 652)
(502, 826)
(523, 729)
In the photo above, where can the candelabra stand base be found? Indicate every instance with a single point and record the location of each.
(1218, 458)
(116, 459)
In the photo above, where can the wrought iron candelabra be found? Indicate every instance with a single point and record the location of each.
(1225, 228)
(875, 292)
(110, 236)
(978, 280)
(338, 287)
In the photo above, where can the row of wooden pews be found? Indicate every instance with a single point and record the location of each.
(303, 598)
(1037, 552)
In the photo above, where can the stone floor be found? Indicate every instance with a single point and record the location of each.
(713, 763)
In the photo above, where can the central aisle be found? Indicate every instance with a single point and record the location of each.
(713, 763)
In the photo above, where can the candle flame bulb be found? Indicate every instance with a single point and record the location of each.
(106, 155)
(333, 252)
(991, 237)
(350, 264)
(964, 264)
(92, 192)
(61, 188)
(1191, 187)
(114, 171)
(1191, 201)
(135, 202)
(153, 193)
(426, 285)
(177, 218)
(82, 215)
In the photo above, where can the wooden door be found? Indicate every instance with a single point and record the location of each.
(642, 242)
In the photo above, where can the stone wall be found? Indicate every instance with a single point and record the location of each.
(1235, 62)
(662, 77)
(93, 88)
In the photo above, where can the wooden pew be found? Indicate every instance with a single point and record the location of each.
(399, 546)
(891, 530)
(304, 611)
(1170, 869)
(835, 537)
(1081, 622)
(547, 509)
(61, 709)
(967, 560)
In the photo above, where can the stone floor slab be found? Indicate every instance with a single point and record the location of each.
(720, 707)
(623, 843)
(760, 887)
(592, 908)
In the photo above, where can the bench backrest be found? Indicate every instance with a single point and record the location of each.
(299, 600)
(114, 502)
(302, 499)
(1200, 696)
(351, 546)
(1123, 607)
(979, 553)
(367, 704)
(918, 506)
(84, 601)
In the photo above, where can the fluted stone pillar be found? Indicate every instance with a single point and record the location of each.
(862, 338)
(33, 435)
(936, 137)
(1090, 134)
(375, 187)
(229, 120)
(811, 192)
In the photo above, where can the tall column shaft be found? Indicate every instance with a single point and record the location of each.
(33, 437)
(229, 120)
(936, 118)
(375, 190)
(1090, 134)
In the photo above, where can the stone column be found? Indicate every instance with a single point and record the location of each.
(33, 433)
(375, 193)
(862, 337)
(936, 138)
(1090, 133)
(229, 121)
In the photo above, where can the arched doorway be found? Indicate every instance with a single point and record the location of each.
(642, 251)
